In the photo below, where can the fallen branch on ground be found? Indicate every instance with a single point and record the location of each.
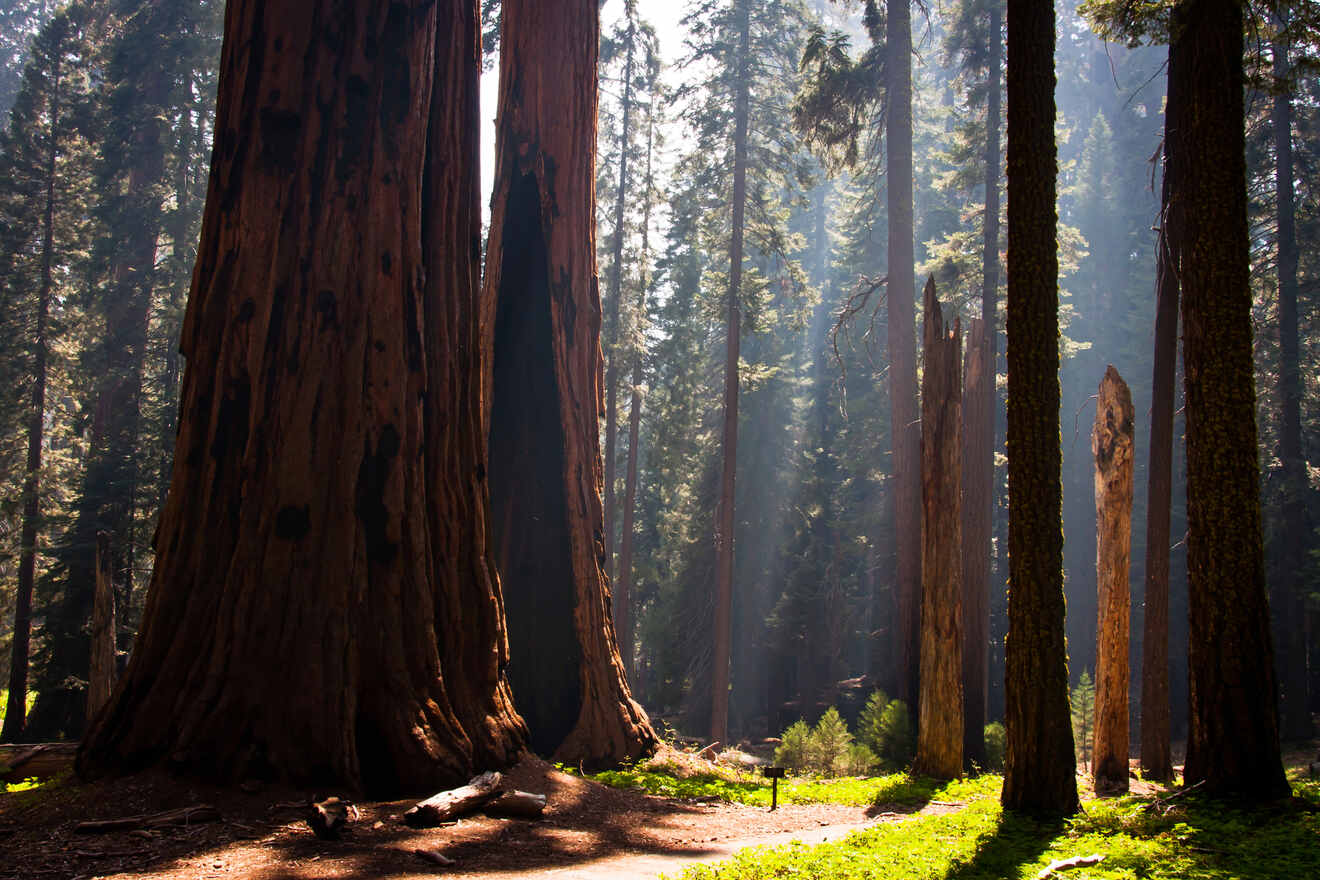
(185, 816)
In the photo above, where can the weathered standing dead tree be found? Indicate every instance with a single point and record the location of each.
(541, 309)
(1112, 445)
(977, 506)
(940, 728)
(324, 606)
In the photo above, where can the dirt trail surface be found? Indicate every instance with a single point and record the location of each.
(588, 831)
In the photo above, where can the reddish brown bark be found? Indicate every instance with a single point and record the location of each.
(1233, 727)
(541, 309)
(940, 729)
(101, 674)
(977, 505)
(323, 607)
(1040, 765)
(1111, 443)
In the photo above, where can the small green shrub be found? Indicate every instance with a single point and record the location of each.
(829, 743)
(1082, 700)
(857, 761)
(868, 723)
(896, 744)
(794, 746)
(995, 744)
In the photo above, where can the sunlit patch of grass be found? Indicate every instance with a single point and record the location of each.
(25, 785)
(1195, 838)
(895, 790)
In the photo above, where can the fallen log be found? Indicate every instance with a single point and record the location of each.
(35, 760)
(186, 816)
(516, 805)
(447, 804)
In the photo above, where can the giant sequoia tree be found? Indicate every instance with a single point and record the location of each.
(1233, 735)
(323, 605)
(1039, 770)
(541, 309)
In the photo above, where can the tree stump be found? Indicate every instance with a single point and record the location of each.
(1111, 441)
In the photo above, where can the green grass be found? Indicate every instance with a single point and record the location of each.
(4, 702)
(1193, 840)
(896, 790)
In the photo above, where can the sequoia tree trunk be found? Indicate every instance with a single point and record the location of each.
(324, 607)
(1111, 443)
(1040, 764)
(541, 309)
(940, 728)
(722, 637)
(901, 295)
(1233, 728)
(977, 504)
(1156, 757)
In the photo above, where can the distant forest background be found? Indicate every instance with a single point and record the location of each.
(103, 169)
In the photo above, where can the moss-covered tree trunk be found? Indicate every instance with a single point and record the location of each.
(1233, 728)
(324, 607)
(1040, 764)
(1111, 443)
(541, 308)
(905, 426)
(940, 726)
(978, 433)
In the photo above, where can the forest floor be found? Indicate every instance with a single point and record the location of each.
(588, 830)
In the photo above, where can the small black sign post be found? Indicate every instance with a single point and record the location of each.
(774, 774)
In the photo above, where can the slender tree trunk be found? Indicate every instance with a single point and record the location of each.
(1233, 731)
(612, 303)
(940, 729)
(1156, 757)
(541, 308)
(16, 707)
(101, 673)
(719, 716)
(1040, 762)
(1112, 445)
(324, 607)
(977, 504)
(905, 426)
(623, 602)
(1289, 595)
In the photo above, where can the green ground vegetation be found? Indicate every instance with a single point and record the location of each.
(1139, 837)
(896, 790)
